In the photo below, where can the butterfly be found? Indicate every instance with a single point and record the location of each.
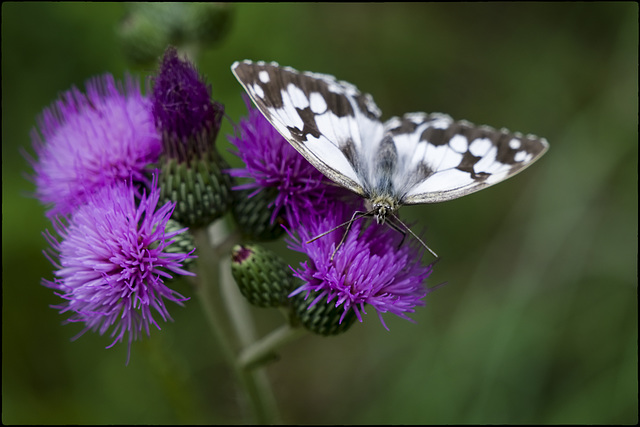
(413, 159)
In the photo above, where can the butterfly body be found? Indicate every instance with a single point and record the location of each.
(413, 159)
(381, 207)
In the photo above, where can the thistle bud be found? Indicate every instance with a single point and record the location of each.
(209, 23)
(263, 277)
(191, 167)
(320, 317)
(148, 28)
(183, 243)
(255, 217)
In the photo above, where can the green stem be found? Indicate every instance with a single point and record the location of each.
(237, 307)
(260, 396)
(263, 350)
(212, 280)
(207, 273)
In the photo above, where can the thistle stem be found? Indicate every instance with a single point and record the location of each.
(264, 349)
(213, 291)
(211, 303)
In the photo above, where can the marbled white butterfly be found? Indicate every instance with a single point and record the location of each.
(417, 158)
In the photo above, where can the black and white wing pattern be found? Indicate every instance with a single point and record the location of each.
(327, 121)
(441, 159)
(419, 158)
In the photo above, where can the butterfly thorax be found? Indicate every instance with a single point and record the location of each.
(381, 207)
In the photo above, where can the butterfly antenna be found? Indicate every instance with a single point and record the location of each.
(416, 237)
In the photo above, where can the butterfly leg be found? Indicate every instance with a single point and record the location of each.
(399, 230)
(412, 233)
(334, 228)
(358, 214)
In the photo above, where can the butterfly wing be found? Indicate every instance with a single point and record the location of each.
(441, 159)
(328, 121)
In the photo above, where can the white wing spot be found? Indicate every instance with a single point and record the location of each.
(459, 143)
(293, 118)
(371, 105)
(488, 162)
(317, 103)
(441, 157)
(479, 147)
(416, 118)
(393, 123)
(447, 180)
(440, 123)
(298, 98)
(263, 76)
(515, 143)
(522, 156)
(258, 91)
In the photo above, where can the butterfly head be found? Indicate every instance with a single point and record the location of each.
(381, 207)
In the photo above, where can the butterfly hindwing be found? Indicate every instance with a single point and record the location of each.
(329, 122)
(441, 159)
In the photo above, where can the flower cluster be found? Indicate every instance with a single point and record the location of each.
(370, 267)
(118, 223)
(117, 242)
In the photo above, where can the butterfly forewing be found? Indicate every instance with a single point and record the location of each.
(329, 122)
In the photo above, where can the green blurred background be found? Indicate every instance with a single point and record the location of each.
(538, 321)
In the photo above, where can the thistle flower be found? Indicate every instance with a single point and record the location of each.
(271, 162)
(111, 262)
(87, 142)
(191, 167)
(182, 104)
(370, 267)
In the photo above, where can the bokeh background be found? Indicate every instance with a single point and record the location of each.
(538, 321)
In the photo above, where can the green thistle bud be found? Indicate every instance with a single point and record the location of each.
(192, 176)
(183, 243)
(262, 276)
(209, 23)
(147, 29)
(253, 215)
(322, 318)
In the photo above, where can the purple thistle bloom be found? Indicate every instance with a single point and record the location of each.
(182, 105)
(87, 142)
(111, 262)
(369, 267)
(272, 162)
